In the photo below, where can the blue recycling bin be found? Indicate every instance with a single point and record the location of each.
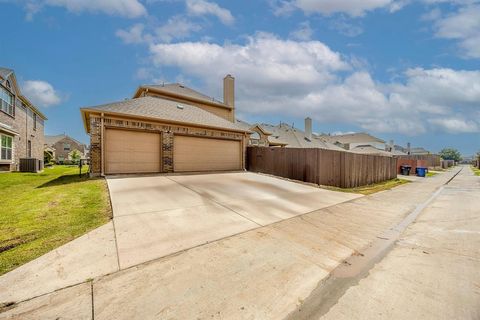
(421, 172)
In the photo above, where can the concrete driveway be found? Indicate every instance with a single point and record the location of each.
(155, 216)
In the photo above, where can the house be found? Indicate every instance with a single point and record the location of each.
(166, 128)
(60, 146)
(284, 135)
(419, 151)
(408, 150)
(368, 149)
(21, 125)
(352, 140)
(259, 136)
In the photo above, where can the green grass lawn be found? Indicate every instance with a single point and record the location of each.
(431, 173)
(475, 170)
(372, 188)
(41, 211)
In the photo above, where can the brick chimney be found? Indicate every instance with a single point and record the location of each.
(229, 93)
(308, 128)
(229, 90)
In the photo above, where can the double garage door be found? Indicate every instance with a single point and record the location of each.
(141, 152)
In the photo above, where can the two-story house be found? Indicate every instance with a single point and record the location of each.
(62, 145)
(21, 125)
(166, 128)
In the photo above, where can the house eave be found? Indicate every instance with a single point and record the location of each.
(142, 89)
(86, 112)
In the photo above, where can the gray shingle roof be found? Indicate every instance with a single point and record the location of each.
(355, 138)
(167, 110)
(180, 89)
(367, 149)
(295, 138)
(51, 140)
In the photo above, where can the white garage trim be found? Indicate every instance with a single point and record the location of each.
(195, 154)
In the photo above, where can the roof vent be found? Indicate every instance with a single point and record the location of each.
(180, 107)
(181, 86)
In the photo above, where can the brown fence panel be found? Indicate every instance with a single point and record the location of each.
(324, 167)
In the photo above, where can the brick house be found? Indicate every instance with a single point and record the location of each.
(62, 145)
(21, 125)
(166, 128)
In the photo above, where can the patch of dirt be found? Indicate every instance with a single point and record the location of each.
(6, 306)
(15, 242)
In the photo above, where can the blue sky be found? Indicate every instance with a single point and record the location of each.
(407, 70)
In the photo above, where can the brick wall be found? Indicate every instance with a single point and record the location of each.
(167, 131)
(61, 153)
(23, 123)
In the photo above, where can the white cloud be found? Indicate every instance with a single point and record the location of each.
(303, 33)
(456, 125)
(346, 28)
(124, 8)
(307, 78)
(41, 93)
(203, 7)
(464, 26)
(132, 35)
(328, 7)
(176, 27)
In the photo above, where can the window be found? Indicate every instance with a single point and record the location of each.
(34, 121)
(66, 147)
(29, 149)
(6, 149)
(6, 101)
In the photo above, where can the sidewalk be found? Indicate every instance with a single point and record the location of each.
(434, 270)
(265, 273)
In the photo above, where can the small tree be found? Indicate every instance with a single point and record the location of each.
(450, 154)
(75, 156)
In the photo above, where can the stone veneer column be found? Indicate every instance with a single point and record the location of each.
(95, 147)
(167, 151)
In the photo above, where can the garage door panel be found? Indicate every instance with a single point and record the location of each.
(132, 151)
(204, 154)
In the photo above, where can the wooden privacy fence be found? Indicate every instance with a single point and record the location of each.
(323, 167)
(427, 160)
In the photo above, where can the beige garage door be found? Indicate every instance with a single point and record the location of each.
(203, 154)
(132, 151)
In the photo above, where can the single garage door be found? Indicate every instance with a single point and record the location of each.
(204, 154)
(132, 151)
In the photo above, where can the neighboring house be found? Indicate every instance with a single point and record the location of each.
(352, 140)
(284, 135)
(259, 136)
(368, 149)
(167, 128)
(62, 145)
(411, 151)
(419, 151)
(21, 125)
